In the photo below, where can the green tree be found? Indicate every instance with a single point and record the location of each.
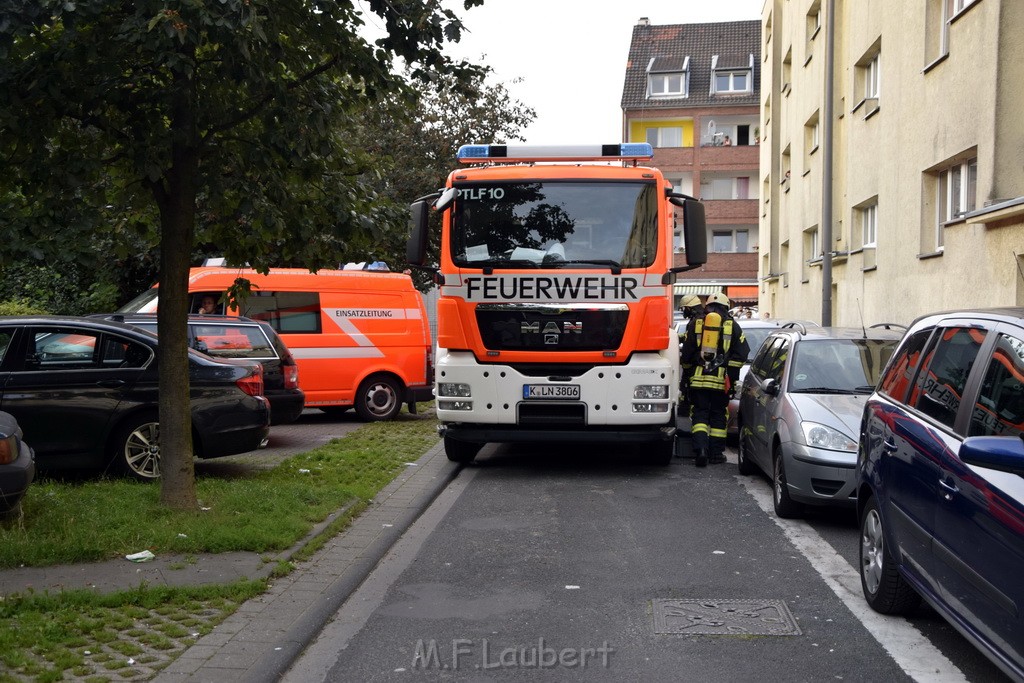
(415, 142)
(218, 122)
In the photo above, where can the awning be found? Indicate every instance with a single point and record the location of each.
(699, 290)
(742, 292)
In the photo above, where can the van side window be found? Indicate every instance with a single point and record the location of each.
(290, 312)
(1000, 407)
(943, 378)
(899, 376)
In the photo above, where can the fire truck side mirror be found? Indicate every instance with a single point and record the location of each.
(419, 224)
(416, 247)
(695, 233)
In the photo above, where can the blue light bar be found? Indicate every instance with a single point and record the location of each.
(470, 154)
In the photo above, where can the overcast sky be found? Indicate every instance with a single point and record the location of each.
(571, 55)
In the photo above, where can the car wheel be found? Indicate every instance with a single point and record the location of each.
(377, 399)
(460, 451)
(785, 507)
(136, 448)
(743, 455)
(885, 590)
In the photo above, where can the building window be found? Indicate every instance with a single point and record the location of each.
(667, 85)
(667, 77)
(871, 86)
(813, 21)
(730, 241)
(669, 136)
(868, 80)
(732, 74)
(812, 138)
(958, 6)
(957, 194)
(869, 225)
(732, 81)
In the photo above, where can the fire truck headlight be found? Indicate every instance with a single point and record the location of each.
(455, 405)
(453, 389)
(650, 391)
(650, 407)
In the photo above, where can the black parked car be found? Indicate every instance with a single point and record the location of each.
(225, 336)
(84, 391)
(17, 464)
(940, 479)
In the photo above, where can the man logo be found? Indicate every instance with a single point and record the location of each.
(551, 338)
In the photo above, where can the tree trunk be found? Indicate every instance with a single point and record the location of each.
(176, 197)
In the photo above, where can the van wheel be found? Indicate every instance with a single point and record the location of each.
(885, 590)
(460, 451)
(378, 398)
(136, 448)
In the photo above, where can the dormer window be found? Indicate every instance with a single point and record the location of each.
(732, 74)
(668, 77)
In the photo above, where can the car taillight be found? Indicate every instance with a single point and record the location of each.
(252, 384)
(291, 376)
(8, 449)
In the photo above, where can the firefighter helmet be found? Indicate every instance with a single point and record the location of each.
(691, 301)
(718, 298)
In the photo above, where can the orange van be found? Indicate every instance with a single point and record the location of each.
(361, 338)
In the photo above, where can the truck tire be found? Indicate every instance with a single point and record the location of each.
(460, 451)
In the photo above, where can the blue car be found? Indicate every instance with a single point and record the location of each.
(940, 479)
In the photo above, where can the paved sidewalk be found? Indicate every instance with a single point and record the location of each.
(260, 641)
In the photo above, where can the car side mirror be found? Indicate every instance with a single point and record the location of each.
(771, 387)
(1003, 453)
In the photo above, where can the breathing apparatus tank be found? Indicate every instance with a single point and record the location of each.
(709, 338)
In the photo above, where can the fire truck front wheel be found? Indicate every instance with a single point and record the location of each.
(460, 451)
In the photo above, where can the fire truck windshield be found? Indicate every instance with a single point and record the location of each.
(555, 224)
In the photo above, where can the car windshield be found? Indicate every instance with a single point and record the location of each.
(755, 336)
(838, 366)
(556, 224)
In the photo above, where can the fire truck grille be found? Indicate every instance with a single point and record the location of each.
(549, 328)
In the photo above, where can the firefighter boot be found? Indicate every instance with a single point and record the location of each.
(717, 459)
(702, 458)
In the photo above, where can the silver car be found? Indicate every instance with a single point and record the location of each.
(800, 410)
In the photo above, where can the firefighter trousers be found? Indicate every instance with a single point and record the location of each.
(709, 413)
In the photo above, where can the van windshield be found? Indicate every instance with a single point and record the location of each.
(143, 303)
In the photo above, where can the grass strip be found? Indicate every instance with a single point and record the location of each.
(260, 510)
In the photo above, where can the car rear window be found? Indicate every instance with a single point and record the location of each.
(232, 341)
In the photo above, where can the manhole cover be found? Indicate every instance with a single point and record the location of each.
(724, 617)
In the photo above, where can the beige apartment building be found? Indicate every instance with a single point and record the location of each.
(927, 157)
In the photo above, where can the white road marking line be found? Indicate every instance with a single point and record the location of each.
(908, 647)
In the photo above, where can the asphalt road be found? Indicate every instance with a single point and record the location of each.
(569, 565)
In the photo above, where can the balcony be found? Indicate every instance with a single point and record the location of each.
(731, 210)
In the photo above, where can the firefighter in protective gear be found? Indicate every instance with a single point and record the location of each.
(714, 350)
(692, 307)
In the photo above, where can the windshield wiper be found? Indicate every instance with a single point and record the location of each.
(615, 266)
(491, 264)
(824, 390)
